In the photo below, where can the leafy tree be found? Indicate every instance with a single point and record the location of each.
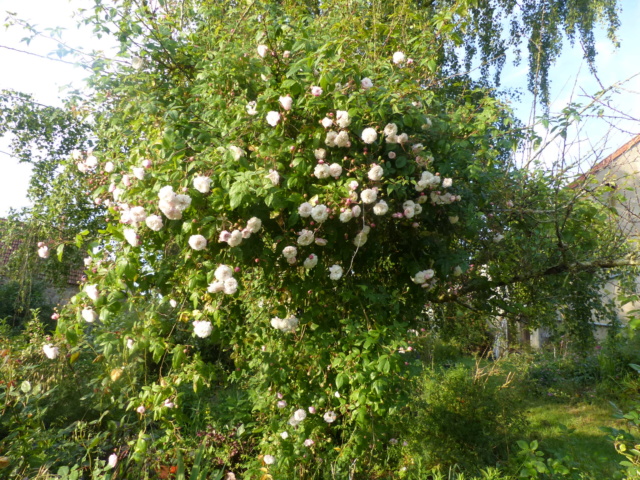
(44, 137)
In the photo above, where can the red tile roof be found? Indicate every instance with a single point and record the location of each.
(607, 161)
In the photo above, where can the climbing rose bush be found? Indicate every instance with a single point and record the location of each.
(285, 200)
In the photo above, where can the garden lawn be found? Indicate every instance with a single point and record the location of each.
(565, 427)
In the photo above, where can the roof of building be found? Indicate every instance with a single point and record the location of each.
(609, 160)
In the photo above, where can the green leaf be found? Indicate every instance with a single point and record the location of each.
(60, 251)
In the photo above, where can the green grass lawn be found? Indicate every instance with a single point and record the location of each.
(564, 420)
(582, 440)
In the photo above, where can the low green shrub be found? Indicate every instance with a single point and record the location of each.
(459, 417)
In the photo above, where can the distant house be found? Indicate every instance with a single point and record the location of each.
(620, 171)
(58, 294)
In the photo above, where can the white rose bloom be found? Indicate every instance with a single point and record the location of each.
(92, 292)
(409, 208)
(356, 210)
(202, 328)
(289, 252)
(457, 271)
(321, 171)
(126, 180)
(380, 208)
(235, 238)
(131, 236)
(300, 415)
(320, 153)
(91, 161)
(369, 135)
(391, 139)
(173, 303)
(342, 118)
(305, 209)
(87, 261)
(130, 343)
(454, 219)
(326, 122)
(197, 242)
(216, 287)
(310, 262)
(306, 238)
(335, 272)
(498, 238)
(76, 154)
(274, 176)
(82, 167)
(50, 351)
(403, 138)
(330, 417)
(390, 129)
(154, 222)
(335, 170)
(278, 323)
(447, 182)
(417, 148)
(320, 213)
(254, 224)
(342, 140)
(262, 50)
(89, 315)
(398, 58)
(346, 216)
(369, 196)
(286, 102)
(109, 167)
(273, 118)
(360, 239)
(182, 202)
(43, 252)
(117, 193)
(236, 152)
(269, 459)
(293, 422)
(321, 242)
(173, 210)
(134, 215)
(423, 276)
(251, 108)
(291, 323)
(284, 435)
(375, 173)
(330, 139)
(113, 461)
(230, 286)
(166, 193)
(139, 173)
(366, 83)
(417, 208)
(223, 272)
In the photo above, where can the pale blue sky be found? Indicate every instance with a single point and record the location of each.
(571, 80)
